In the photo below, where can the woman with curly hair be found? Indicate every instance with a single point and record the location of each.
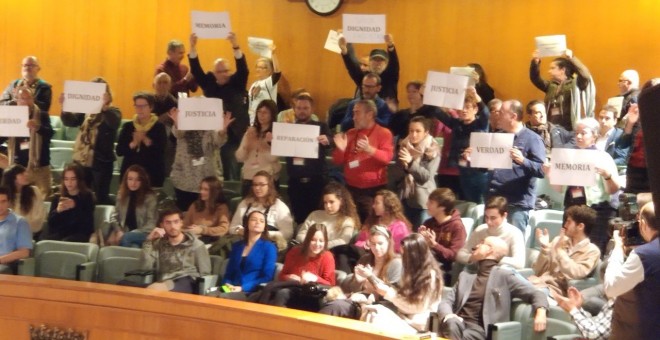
(388, 211)
(339, 215)
(418, 294)
(208, 216)
(25, 199)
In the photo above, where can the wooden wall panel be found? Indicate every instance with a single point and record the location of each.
(123, 40)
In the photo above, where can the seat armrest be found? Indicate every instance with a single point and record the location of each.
(86, 271)
(526, 272)
(205, 283)
(510, 330)
(583, 283)
(26, 266)
(565, 337)
(140, 276)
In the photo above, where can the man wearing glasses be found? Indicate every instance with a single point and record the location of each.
(371, 85)
(29, 77)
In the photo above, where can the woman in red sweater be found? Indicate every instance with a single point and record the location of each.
(309, 262)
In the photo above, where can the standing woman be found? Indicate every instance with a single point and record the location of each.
(196, 158)
(254, 151)
(208, 216)
(265, 87)
(309, 262)
(136, 210)
(24, 199)
(418, 161)
(71, 216)
(483, 88)
(142, 141)
(416, 296)
(263, 197)
(94, 146)
(387, 211)
(339, 215)
(32, 152)
(251, 261)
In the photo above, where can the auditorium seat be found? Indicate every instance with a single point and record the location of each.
(59, 259)
(114, 261)
(59, 157)
(58, 143)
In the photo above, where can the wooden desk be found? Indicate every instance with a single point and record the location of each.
(117, 313)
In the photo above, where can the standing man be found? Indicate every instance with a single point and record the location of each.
(553, 136)
(178, 258)
(30, 78)
(15, 236)
(371, 85)
(231, 89)
(307, 176)
(609, 134)
(628, 85)
(383, 63)
(182, 79)
(364, 152)
(518, 184)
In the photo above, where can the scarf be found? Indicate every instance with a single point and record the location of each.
(543, 131)
(83, 149)
(426, 149)
(35, 142)
(144, 127)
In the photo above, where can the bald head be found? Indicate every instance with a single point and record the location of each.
(498, 246)
(162, 83)
(221, 71)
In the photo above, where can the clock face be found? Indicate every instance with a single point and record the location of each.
(324, 7)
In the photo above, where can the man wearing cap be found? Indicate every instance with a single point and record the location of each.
(371, 85)
(381, 62)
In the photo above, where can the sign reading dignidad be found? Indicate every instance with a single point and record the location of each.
(83, 96)
(365, 29)
(200, 113)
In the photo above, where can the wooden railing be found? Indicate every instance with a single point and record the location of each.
(112, 312)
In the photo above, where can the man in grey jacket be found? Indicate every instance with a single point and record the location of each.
(177, 257)
(478, 300)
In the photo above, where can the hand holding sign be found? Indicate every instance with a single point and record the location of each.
(84, 97)
(368, 29)
(445, 90)
(551, 45)
(517, 156)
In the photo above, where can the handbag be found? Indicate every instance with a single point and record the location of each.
(314, 290)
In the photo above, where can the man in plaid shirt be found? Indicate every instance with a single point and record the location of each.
(592, 327)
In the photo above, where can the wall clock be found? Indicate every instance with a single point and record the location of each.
(324, 7)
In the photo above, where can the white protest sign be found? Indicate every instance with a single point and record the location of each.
(573, 167)
(332, 42)
(295, 140)
(200, 114)
(445, 90)
(210, 25)
(260, 46)
(13, 121)
(616, 102)
(364, 28)
(83, 96)
(464, 71)
(551, 45)
(491, 150)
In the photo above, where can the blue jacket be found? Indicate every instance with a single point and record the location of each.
(259, 265)
(618, 151)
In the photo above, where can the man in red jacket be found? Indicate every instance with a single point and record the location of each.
(364, 152)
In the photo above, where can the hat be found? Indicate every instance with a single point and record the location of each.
(377, 53)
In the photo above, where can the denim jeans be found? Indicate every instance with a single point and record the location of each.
(519, 217)
(133, 239)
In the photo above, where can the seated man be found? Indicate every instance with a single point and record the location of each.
(478, 300)
(570, 256)
(15, 236)
(591, 327)
(178, 257)
(444, 231)
(495, 214)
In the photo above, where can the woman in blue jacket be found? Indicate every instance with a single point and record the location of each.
(251, 261)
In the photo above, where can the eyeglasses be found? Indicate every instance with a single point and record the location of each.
(141, 106)
(622, 80)
(29, 65)
(369, 86)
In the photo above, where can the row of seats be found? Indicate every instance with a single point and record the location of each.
(68, 133)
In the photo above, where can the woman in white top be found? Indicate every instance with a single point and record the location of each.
(265, 87)
(254, 151)
(339, 214)
(263, 197)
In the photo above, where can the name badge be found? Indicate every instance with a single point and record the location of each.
(576, 192)
(298, 161)
(354, 164)
(199, 161)
(25, 145)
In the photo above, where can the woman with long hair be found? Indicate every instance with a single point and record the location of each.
(254, 151)
(388, 211)
(136, 210)
(417, 294)
(417, 163)
(263, 197)
(251, 260)
(208, 216)
(339, 215)
(381, 261)
(25, 199)
(71, 216)
(94, 146)
(309, 262)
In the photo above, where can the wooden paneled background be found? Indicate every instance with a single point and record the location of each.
(123, 40)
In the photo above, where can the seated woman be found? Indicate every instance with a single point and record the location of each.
(208, 216)
(24, 199)
(251, 261)
(71, 216)
(136, 210)
(380, 261)
(339, 215)
(418, 293)
(309, 262)
(263, 197)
